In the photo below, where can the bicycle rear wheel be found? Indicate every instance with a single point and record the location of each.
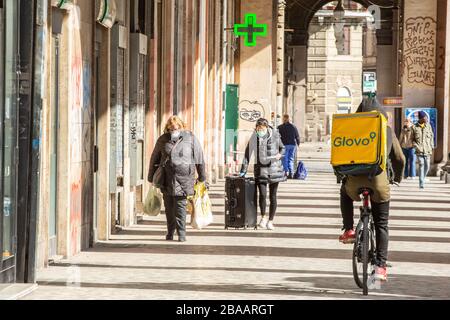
(365, 254)
(360, 257)
(357, 257)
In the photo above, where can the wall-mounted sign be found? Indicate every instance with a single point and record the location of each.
(106, 12)
(250, 30)
(393, 101)
(369, 82)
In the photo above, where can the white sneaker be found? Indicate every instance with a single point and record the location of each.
(263, 223)
(270, 226)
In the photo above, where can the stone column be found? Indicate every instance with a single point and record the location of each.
(419, 53)
(280, 58)
(255, 71)
(299, 84)
(446, 112)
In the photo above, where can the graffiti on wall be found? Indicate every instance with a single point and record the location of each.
(420, 50)
(251, 111)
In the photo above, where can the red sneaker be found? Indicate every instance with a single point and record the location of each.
(380, 273)
(348, 237)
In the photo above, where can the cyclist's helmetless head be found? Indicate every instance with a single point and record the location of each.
(372, 104)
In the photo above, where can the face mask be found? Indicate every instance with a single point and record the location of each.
(261, 133)
(175, 135)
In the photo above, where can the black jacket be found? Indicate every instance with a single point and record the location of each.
(185, 159)
(289, 134)
(267, 168)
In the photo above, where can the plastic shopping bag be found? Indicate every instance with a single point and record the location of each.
(153, 201)
(202, 215)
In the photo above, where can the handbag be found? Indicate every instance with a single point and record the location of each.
(159, 178)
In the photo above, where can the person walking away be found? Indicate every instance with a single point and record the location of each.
(181, 155)
(291, 140)
(265, 143)
(380, 199)
(406, 142)
(423, 142)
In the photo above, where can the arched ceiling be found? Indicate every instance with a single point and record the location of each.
(300, 12)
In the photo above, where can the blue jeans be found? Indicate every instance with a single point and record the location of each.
(424, 168)
(288, 160)
(410, 168)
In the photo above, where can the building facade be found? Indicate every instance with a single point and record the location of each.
(9, 44)
(117, 71)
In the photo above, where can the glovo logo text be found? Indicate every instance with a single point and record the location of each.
(354, 142)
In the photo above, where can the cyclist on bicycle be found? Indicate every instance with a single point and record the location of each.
(380, 198)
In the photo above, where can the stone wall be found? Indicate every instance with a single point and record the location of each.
(327, 72)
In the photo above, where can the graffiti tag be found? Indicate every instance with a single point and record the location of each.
(420, 50)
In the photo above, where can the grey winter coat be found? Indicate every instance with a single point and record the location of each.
(185, 159)
(267, 168)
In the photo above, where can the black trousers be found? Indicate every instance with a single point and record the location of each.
(262, 189)
(176, 214)
(380, 213)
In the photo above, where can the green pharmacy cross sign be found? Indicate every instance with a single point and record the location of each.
(250, 30)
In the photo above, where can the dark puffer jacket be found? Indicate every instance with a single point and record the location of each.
(185, 159)
(267, 168)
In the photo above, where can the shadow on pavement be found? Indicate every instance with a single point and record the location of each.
(183, 248)
(249, 233)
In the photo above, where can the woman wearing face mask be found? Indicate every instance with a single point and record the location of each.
(407, 144)
(268, 149)
(182, 155)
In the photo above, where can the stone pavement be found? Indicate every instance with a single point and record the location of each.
(301, 259)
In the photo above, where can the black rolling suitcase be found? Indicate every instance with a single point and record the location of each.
(240, 206)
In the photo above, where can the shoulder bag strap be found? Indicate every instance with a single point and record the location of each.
(163, 163)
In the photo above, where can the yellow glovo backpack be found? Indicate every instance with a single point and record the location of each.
(359, 144)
